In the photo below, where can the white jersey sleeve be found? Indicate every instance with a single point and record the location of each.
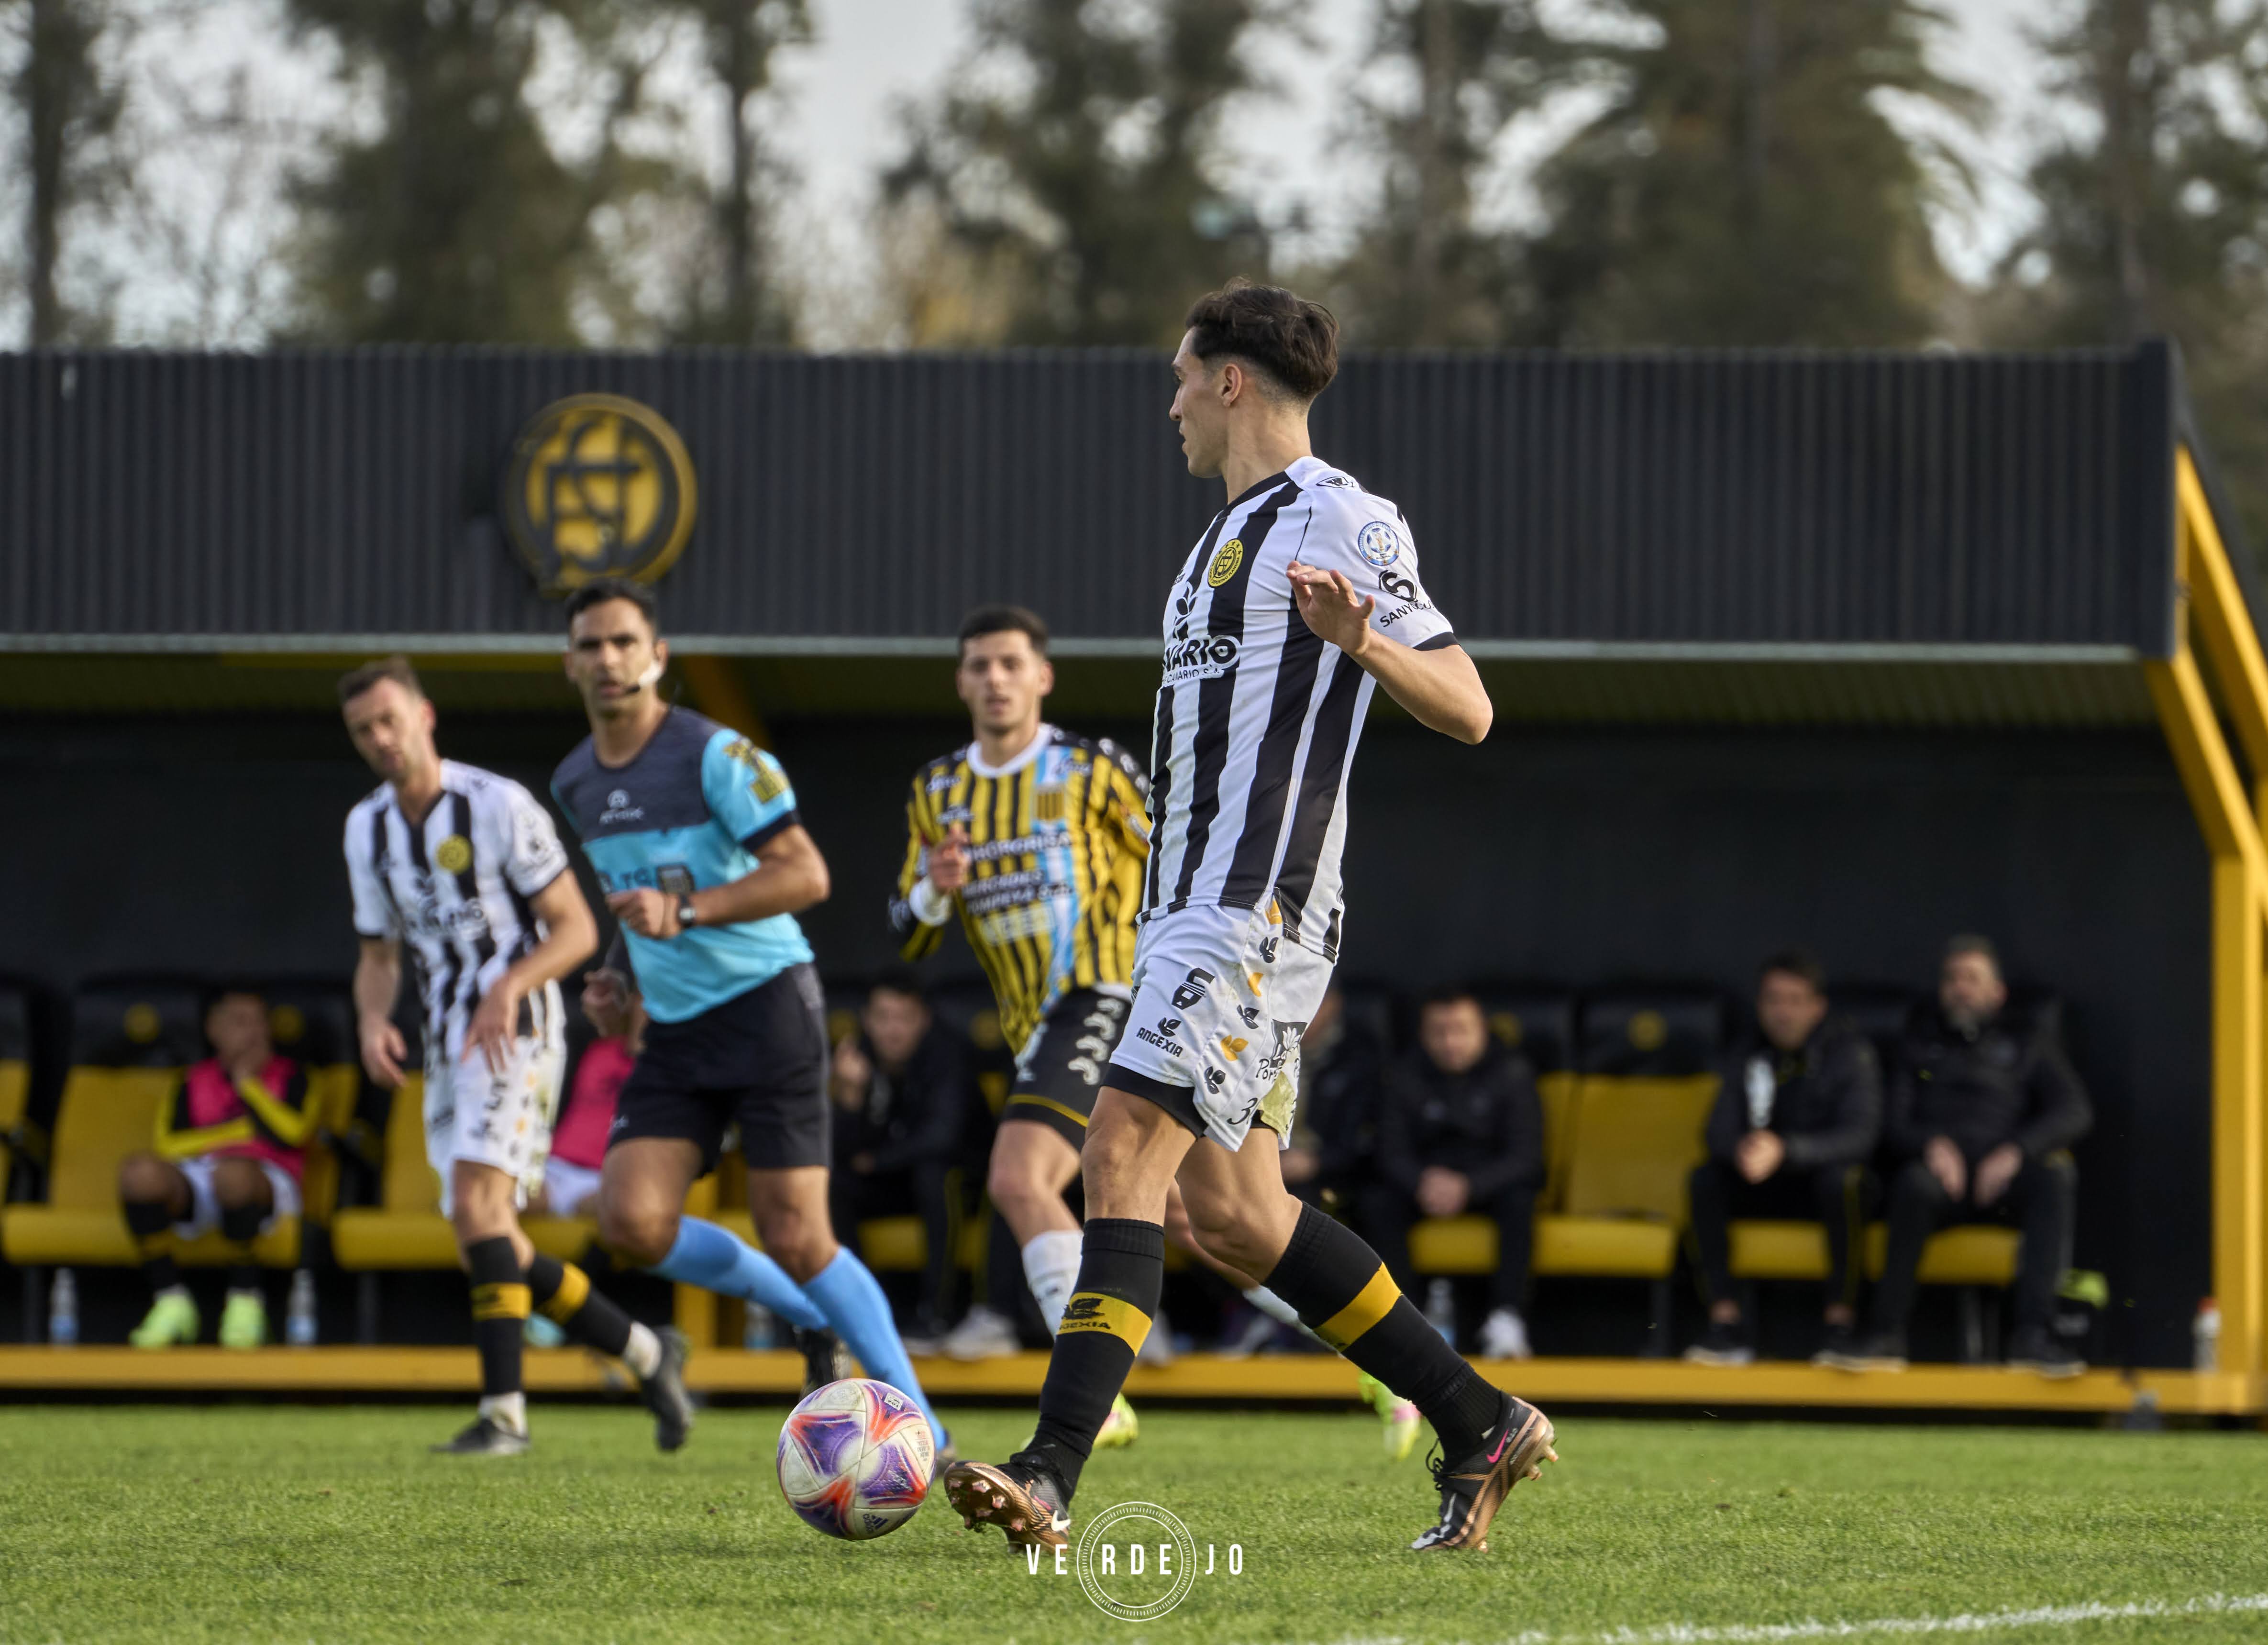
(375, 916)
(530, 850)
(1366, 538)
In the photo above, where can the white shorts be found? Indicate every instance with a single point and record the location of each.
(568, 1188)
(500, 1118)
(1221, 997)
(204, 1204)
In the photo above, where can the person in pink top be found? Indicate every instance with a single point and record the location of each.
(579, 1141)
(229, 1153)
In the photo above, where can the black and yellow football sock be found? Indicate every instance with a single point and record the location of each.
(239, 1226)
(499, 1315)
(1121, 1268)
(1346, 1298)
(152, 1224)
(563, 1294)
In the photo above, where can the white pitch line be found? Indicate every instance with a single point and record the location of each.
(1966, 1622)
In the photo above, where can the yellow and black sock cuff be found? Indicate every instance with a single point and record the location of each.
(1112, 1316)
(568, 1293)
(500, 1301)
(1372, 1304)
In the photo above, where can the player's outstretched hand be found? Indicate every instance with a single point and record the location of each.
(494, 1025)
(607, 1002)
(948, 859)
(383, 1049)
(1329, 606)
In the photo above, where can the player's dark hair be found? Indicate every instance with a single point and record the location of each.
(599, 590)
(901, 980)
(1970, 943)
(1289, 342)
(355, 681)
(1002, 619)
(1447, 994)
(1799, 963)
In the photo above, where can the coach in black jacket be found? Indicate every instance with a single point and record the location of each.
(900, 1090)
(1982, 1110)
(1461, 1129)
(1800, 1112)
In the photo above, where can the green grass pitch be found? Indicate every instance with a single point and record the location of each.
(237, 1522)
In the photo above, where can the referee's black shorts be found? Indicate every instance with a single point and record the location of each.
(758, 1061)
(1062, 1070)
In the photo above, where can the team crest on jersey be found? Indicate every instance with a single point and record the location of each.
(454, 855)
(1224, 562)
(1380, 544)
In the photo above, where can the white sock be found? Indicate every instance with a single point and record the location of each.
(1051, 1267)
(643, 1355)
(1277, 1309)
(508, 1412)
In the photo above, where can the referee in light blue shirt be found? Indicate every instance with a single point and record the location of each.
(694, 832)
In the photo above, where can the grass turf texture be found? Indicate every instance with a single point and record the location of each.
(239, 1524)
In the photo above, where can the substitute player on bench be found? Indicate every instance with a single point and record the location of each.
(1275, 637)
(705, 862)
(465, 867)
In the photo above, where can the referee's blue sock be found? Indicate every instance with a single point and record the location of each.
(860, 1314)
(716, 1260)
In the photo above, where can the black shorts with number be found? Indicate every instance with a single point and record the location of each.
(1062, 1070)
(758, 1061)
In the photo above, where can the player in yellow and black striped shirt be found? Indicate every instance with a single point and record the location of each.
(1038, 837)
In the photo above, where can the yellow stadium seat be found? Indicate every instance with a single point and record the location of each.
(1605, 1247)
(1958, 1256)
(15, 1097)
(1778, 1251)
(1636, 1142)
(105, 1114)
(1557, 1093)
(1454, 1244)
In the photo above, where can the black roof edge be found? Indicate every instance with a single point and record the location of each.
(2225, 519)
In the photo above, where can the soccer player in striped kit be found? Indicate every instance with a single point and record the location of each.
(1302, 596)
(464, 867)
(1038, 837)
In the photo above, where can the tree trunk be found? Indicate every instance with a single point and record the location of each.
(44, 93)
(739, 63)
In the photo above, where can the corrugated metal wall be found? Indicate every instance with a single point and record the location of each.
(1762, 499)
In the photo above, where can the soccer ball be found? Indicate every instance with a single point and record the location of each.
(855, 1458)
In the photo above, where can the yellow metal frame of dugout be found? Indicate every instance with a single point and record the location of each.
(2211, 621)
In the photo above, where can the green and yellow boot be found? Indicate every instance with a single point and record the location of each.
(172, 1318)
(244, 1321)
(1400, 1417)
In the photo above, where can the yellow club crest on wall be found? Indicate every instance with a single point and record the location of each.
(598, 486)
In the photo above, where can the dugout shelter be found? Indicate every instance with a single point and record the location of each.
(1850, 650)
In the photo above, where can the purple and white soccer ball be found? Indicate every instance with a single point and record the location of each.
(855, 1458)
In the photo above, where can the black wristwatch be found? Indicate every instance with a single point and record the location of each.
(687, 916)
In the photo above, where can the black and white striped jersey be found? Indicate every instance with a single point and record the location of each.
(1257, 718)
(456, 890)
